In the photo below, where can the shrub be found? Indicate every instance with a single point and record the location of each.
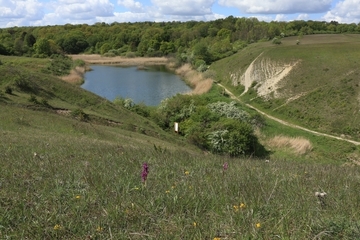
(33, 99)
(228, 110)
(44, 102)
(276, 40)
(130, 55)
(80, 114)
(109, 54)
(8, 90)
(232, 137)
(79, 62)
(23, 84)
(59, 65)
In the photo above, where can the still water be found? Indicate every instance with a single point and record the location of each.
(149, 86)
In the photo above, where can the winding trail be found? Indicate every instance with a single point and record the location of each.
(284, 122)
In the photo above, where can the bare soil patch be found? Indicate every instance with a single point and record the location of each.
(267, 74)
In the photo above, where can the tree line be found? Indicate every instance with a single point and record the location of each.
(196, 42)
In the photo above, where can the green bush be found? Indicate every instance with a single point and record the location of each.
(23, 84)
(276, 40)
(232, 137)
(59, 65)
(79, 62)
(80, 115)
(130, 55)
(33, 99)
(8, 90)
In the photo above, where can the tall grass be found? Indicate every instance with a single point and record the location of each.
(195, 79)
(71, 186)
(61, 178)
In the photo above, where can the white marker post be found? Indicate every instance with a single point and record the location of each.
(176, 127)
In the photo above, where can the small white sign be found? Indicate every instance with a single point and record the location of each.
(176, 126)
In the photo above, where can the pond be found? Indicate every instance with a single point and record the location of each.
(149, 85)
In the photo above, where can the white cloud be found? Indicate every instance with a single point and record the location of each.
(303, 16)
(280, 18)
(278, 6)
(30, 9)
(82, 9)
(126, 17)
(132, 5)
(347, 11)
(184, 7)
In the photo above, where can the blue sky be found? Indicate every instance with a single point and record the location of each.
(59, 12)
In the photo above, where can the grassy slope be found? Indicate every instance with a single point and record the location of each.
(327, 78)
(84, 181)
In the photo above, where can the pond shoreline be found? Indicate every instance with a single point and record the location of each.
(121, 61)
(193, 78)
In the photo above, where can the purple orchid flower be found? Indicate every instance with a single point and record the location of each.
(145, 172)
(225, 166)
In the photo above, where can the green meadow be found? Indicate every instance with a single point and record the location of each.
(71, 162)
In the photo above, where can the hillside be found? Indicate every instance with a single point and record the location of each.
(314, 84)
(72, 168)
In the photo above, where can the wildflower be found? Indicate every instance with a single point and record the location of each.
(321, 197)
(187, 172)
(57, 227)
(99, 229)
(145, 172)
(242, 205)
(194, 224)
(78, 197)
(217, 238)
(258, 225)
(236, 208)
(167, 191)
(225, 166)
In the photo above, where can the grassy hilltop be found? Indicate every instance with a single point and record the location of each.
(321, 91)
(71, 161)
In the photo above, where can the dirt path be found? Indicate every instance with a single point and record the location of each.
(287, 123)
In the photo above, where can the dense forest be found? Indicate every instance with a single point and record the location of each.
(198, 43)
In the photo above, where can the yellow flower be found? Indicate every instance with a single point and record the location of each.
(78, 197)
(57, 227)
(99, 229)
(258, 225)
(236, 208)
(187, 172)
(217, 238)
(194, 224)
(167, 191)
(242, 205)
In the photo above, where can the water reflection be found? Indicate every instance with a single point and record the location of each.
(150, 85)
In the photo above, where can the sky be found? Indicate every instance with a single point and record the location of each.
(60, 12)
